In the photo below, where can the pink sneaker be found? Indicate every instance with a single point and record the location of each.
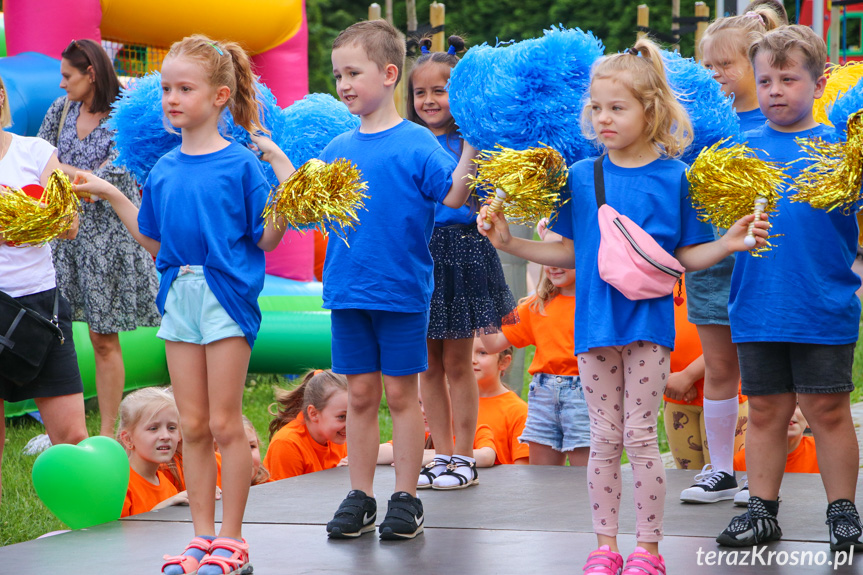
(604, 561)
(641, 562)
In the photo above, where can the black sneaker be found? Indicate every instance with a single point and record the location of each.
(404, 518)
(710, 486)
(755, 526)
(845, 527)
(355, 516)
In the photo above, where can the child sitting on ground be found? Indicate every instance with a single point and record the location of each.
(308, 433)
(260, 474)
(149, 429)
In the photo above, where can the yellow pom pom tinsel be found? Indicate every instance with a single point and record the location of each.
(26, 220)
(833, 180)
(320, 195)
(840, 79)
(724, 183)
(531, 179)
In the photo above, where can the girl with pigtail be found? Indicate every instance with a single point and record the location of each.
(470, 293)
(308, 431)
(623, 345)
(725, 46)
(200, 216)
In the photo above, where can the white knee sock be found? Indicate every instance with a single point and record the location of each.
(720, 423)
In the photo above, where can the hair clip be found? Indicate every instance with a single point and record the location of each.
(633, 52)
(216, 47)
(317, 372)
(451, 50)
(752, 14)
(424, 49)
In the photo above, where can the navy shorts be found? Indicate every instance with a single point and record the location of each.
(366, 341)
(769, 368)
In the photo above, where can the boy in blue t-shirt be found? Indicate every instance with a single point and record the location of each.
(794, 313)
(379, 287)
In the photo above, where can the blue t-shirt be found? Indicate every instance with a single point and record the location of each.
(656, 197)
(802, 290)
(445, 215)
(206, 210)
(388, 265)
(751, 120)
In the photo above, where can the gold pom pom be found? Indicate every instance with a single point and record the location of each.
(725, 182)
(833, 179)
(840, 79)
(530, 178)
(320, 195)
(26, 220)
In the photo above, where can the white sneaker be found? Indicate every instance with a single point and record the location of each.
(710, 486)
(741, 498)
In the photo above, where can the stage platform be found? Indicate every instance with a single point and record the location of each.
(519, 520)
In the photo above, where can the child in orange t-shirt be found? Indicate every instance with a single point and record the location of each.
(173, 470)
(557, 426)
(149, 429)
(308, 432)
(684, 412)
(499, 407)
(260, 474)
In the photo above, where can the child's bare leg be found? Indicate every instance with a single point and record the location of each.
(578, 457)
(408, 432)
(436, 399)
(364, 399)
(187, 366)
(64, 418)
(829, 416)
(463, 389)
(546, 455)
(227, 364)
(766, 439)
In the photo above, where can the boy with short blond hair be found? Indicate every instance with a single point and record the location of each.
(379, 288)
(795, 315)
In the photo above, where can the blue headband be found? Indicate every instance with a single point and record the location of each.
(424, 49)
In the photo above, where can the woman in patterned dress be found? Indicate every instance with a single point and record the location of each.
(109, 279)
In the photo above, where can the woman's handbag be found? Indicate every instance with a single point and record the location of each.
(629, 258)
(25, 338)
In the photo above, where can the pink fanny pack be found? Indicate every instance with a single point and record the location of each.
(629, 258)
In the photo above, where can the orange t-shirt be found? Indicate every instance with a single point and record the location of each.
(801, 460)
(294, 452)
(142, 495)
(505, 414)
(552, 334)
(178, 462)
(687, 348)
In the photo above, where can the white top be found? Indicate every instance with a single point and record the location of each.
(25, 270)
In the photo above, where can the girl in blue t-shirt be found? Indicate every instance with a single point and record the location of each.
(470, 292)
(623, 345)
(725, 46)
(201, 217)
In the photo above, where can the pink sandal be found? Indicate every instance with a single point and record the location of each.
(603, 561)
(642, 562)
(187, 562)
(236, 564)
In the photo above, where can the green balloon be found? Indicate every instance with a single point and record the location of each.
(84, 484)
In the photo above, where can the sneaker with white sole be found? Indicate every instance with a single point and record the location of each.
(845, 527)
(710, 486)
(404, 518)
(754, 527)
(355, 516)
(741, 498)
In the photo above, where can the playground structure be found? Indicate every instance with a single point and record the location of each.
(294, 333)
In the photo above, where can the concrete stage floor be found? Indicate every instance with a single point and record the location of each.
(520, 520)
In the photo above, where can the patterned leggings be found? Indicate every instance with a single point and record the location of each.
(623, 386)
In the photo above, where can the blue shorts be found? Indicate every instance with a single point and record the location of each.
(556, 413)
(192, 312)
(707, 293)
(369, 340)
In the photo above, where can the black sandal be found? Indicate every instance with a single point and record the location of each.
(451, 471)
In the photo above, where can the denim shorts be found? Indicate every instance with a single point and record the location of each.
(707, 293)
(370, 340)
(769, 368)
(556, 413)
(192, 312)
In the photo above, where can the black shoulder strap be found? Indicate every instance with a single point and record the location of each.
(598, 181)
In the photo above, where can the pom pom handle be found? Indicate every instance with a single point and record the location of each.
(495, 206)
(760, 204)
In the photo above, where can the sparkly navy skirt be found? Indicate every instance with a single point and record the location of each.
(470, 293)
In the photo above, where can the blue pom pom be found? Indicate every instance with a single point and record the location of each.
(526, 93)
(312, 123)
(141, 138)
(710, 110)
(845, 105)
